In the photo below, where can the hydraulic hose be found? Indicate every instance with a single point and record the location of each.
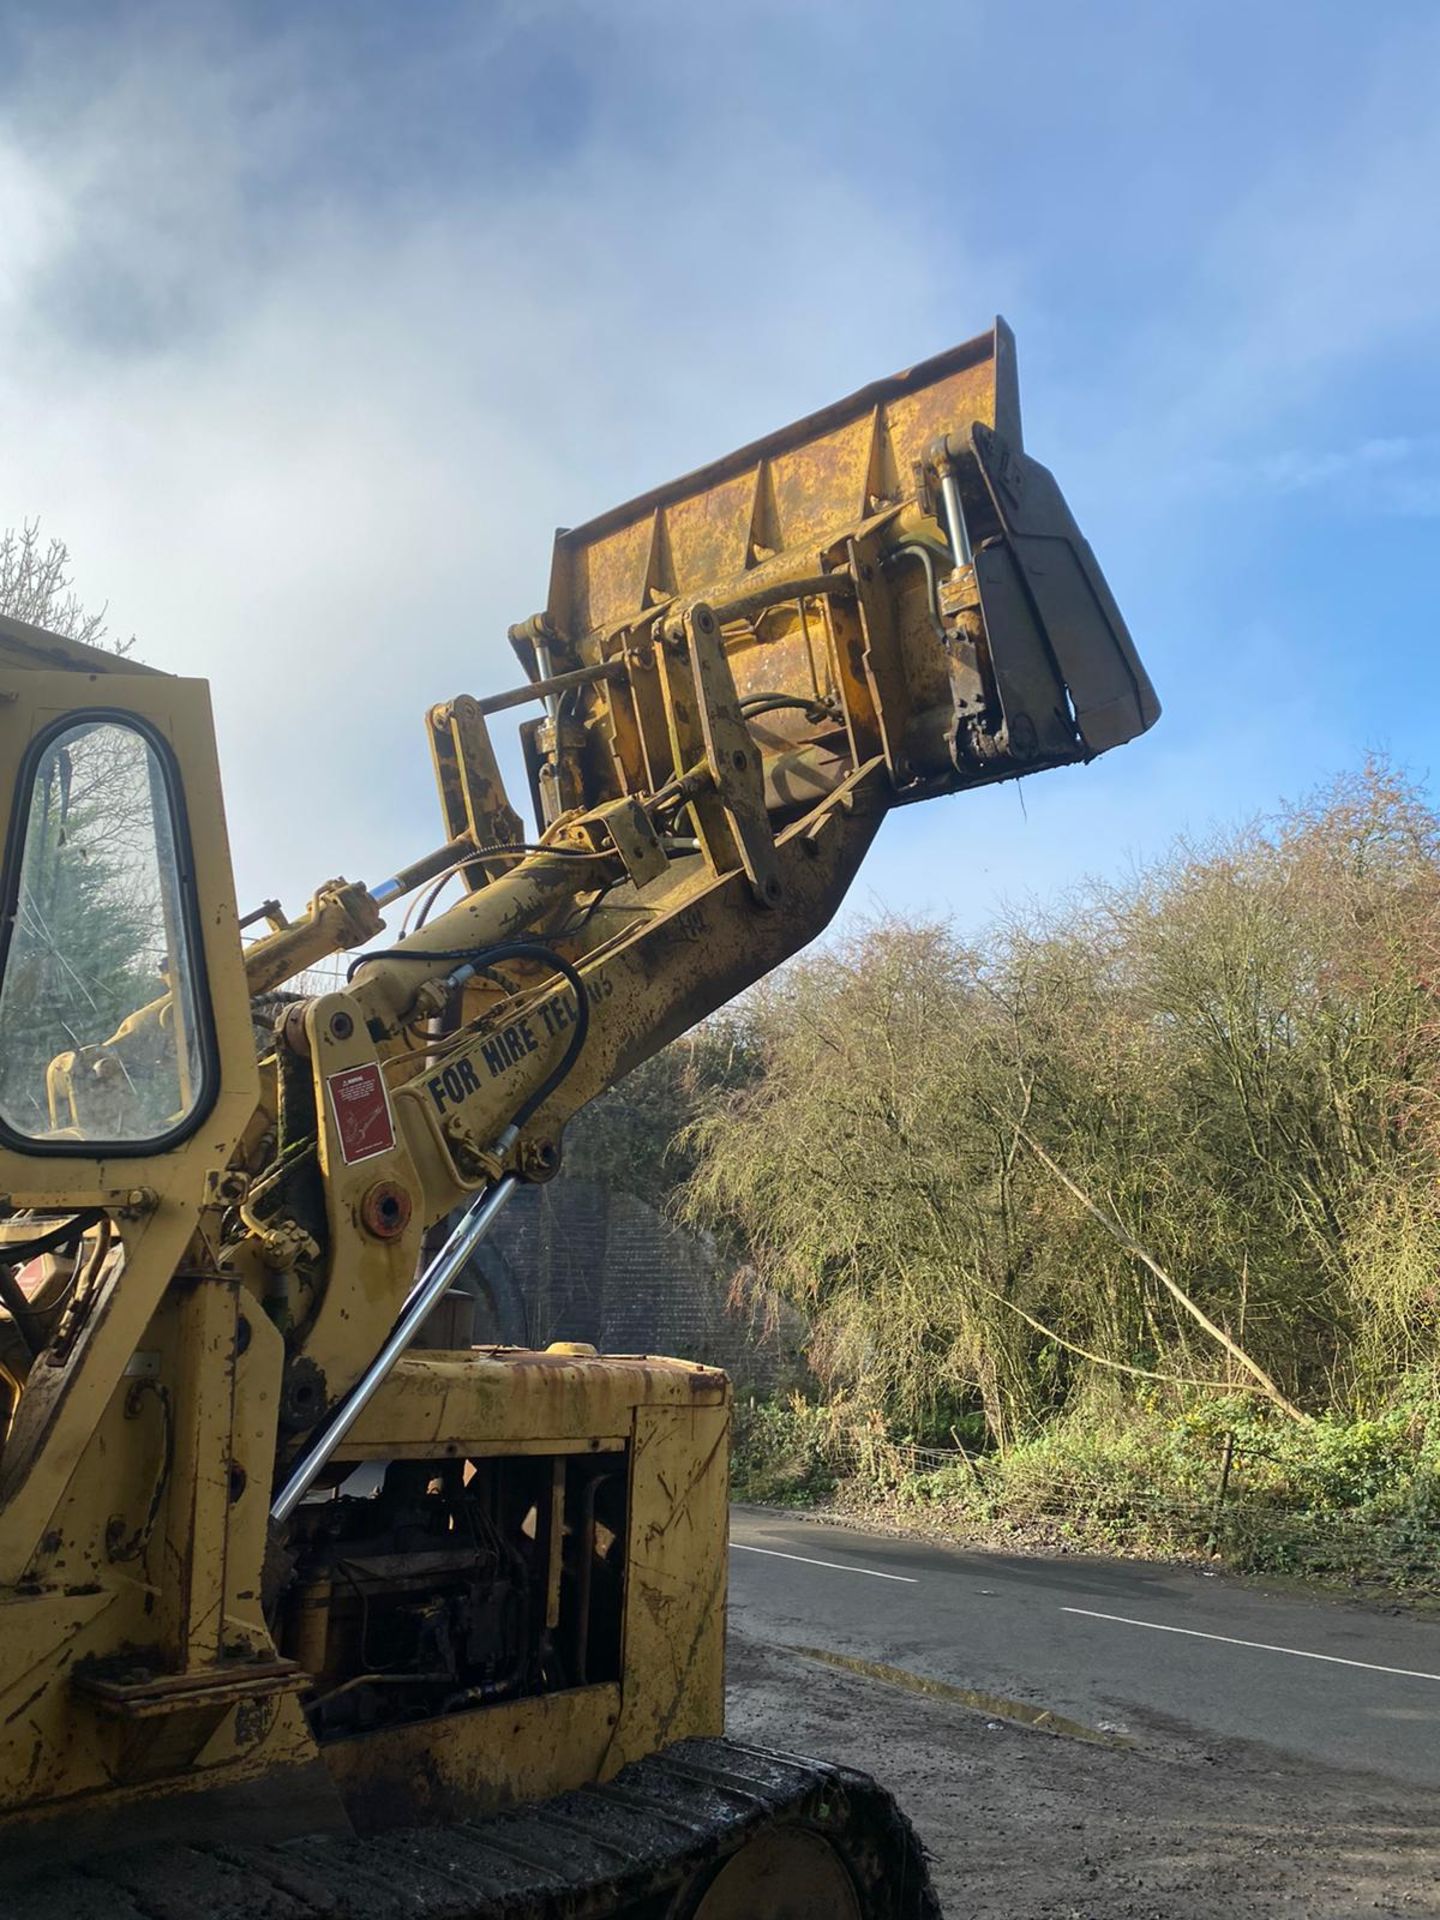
(534, 950)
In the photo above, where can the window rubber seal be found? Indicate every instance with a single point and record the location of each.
(209, 1086)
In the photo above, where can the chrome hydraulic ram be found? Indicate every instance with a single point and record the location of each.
(466, 1235)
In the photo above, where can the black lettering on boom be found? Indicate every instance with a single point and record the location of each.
(507, 1048)
(449, 1087)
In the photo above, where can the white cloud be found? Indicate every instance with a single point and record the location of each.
(321, 466)
(307, 416)
(30, 217)
(1321, 268)
(1395, 475)
(1295, 471)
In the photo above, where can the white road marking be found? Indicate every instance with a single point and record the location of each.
(835, 1566)
(1263, 1646)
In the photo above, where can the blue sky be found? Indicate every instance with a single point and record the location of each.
(316, 319)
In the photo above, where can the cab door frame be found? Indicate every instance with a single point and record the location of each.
(155, 1199)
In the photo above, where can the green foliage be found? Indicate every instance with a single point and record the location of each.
(1353, 1500)
(1234, 1056)
(84, 952)
(88, 943)
(784, 1453)
(636, 1136)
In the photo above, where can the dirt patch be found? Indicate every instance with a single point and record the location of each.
(1031, 1825)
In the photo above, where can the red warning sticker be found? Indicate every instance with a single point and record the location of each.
(362, 1113)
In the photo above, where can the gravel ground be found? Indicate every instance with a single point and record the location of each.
(1027, 1825)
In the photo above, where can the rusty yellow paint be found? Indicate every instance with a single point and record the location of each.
(491, 1399)
(52, 1428)
(707, 792)
(368, 1275)
(192, 1617)
(477, 1763)
(674, 1620)
(783, 493)
(675, 1600)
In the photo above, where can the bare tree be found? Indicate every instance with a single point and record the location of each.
(1235, 1055)
(36, 586)
(87, 945)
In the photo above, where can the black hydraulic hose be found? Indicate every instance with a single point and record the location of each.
(18, 1252)
(477, 959)
(587, 914)
(536, 950)
(759, 703)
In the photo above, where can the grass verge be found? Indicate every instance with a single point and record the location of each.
(1350, 1502)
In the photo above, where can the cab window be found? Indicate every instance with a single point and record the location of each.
(101, 1031)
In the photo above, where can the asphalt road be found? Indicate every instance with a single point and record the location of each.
(1170, 1656)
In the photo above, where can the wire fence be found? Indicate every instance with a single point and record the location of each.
(1236, 1501)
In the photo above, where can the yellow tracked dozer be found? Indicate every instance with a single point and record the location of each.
(305, 1609)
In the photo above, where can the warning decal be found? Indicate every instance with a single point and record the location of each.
(362, 1112)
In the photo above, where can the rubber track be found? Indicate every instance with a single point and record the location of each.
(600, 1853)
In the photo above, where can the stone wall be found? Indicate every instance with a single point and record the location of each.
(574, 1260)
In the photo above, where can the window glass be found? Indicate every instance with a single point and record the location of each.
(99, 1029)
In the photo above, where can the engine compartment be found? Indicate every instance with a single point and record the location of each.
(424, 1587)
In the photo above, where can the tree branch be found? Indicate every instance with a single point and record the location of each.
(1133, 1247)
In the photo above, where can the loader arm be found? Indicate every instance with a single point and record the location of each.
(216, 1267)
